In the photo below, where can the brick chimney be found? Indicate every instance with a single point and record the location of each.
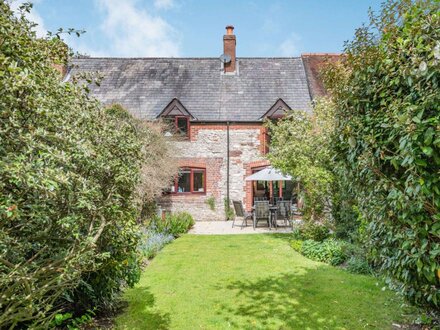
(229, 44)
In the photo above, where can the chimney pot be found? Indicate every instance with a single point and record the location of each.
(229, 30)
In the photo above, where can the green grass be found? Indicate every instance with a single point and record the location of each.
(252, 282)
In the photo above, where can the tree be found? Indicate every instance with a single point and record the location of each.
(70, 181)
(387, 108)
(301, 146)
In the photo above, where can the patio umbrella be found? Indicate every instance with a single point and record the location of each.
(269, 174)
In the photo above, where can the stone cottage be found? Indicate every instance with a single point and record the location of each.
(217, 107)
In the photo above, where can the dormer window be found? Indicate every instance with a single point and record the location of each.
(277, 111)
(181, 125)
(178, 118)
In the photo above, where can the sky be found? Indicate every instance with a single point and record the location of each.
(195, 28)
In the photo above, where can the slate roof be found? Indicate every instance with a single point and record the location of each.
(145, 86)
(313, 63)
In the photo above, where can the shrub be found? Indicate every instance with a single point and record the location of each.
(229, 211)
(174, 223)
(296, 244)
(314, 231)
(358, 265)
(329, 251)
(69, 170)
(387, 143)
(152, 242)
(211, 203)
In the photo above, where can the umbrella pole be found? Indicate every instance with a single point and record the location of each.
(271, 190)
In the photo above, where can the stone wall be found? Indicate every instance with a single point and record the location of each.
(207, 148)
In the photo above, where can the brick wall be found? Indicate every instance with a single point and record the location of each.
(207, 148)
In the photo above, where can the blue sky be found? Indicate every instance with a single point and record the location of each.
(194, 28)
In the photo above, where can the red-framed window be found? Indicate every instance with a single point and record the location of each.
(182, 125)
(191, 180)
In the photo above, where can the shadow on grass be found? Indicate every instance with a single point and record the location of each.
(293, 300)
(142, 314)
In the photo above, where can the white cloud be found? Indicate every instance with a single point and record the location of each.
(33, 16)
(164, 4)
(291, 46)
(132, 31)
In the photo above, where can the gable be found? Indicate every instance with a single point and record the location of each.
(175, 108)
(277, 110)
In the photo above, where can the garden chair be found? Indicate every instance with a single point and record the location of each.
(284, 212)
(241, 213)
(278, 199)
(262, 212)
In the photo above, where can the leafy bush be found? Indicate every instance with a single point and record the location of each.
(358, 265)
(387, 143)
(229, 211)
(345, 212)
(296, 244)
(152, 242)
(174, 223)
(313, 231)
(69, 174)
(211, 203)
(329, 251)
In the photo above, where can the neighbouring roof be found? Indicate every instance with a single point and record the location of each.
(313, 63)
(146, 86)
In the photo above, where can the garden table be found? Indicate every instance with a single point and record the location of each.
(273, 214)
(273, 211)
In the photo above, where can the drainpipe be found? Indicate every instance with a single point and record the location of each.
(227, 165)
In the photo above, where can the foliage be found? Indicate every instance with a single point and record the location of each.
(300, 146)
(174, 223)
(345, 213)
(387, 108)
(253, 282)
(66, 320)
(314, 231)
(211, 203)
(153, 241)
(229, 211)
(329, 251)
(69, 170)
(358, 265)
(296, 244)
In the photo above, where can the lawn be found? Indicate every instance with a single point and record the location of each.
(252, 282)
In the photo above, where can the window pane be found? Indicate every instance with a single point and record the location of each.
(183, 184)
(199, 181)
(182, 125)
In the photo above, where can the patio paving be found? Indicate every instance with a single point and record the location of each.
(225, 228)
